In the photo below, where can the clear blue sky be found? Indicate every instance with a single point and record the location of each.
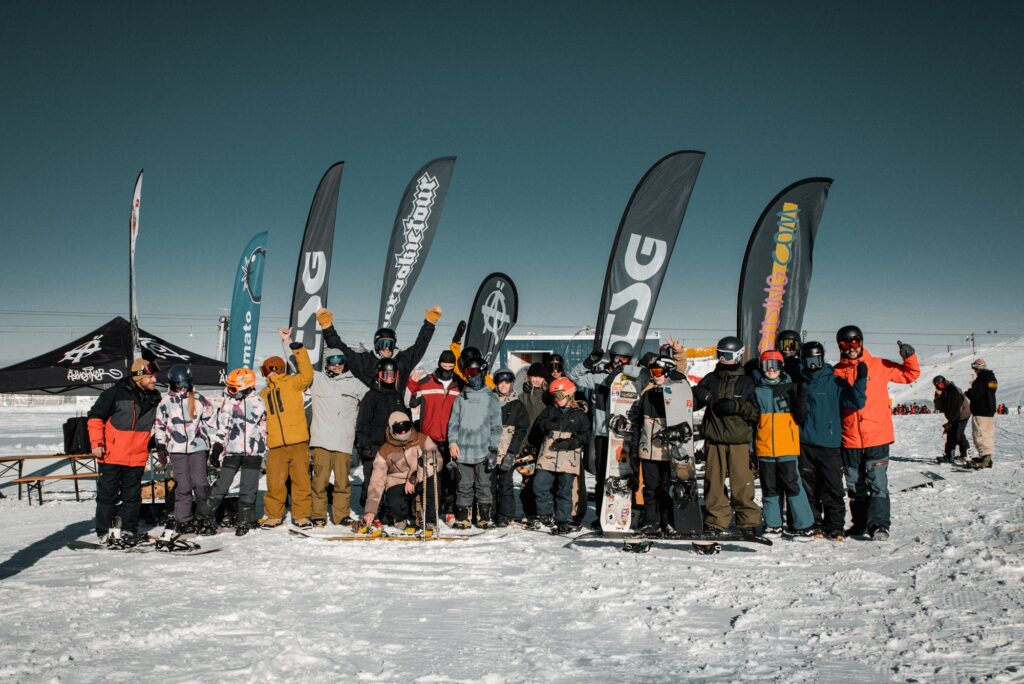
(554, 110)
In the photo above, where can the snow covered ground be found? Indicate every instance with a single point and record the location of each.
(942, 601)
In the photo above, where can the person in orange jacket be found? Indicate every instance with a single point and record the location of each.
(287, 437)
(119, 432)
(868, 432)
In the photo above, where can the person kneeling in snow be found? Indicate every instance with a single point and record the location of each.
(403, 471)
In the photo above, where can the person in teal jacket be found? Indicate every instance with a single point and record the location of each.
(821, 431)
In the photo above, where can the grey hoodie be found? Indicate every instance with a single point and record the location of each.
(335, 407)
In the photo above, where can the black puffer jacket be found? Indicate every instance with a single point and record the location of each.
(982, 394)
(372, 422)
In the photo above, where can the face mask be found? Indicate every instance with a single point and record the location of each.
(444, 373)
(476, 381)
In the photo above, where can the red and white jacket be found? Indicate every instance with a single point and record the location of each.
(435, 402)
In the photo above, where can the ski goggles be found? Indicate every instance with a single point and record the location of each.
(769, 365)
(388, 376)
(335, 360)
(473, 371)
(561, 395)
(504, 377)
(788, 345)
(657, 371)
(384, 343)
(401, 427)
(619, 360)
(728, 355)
(149, 369)
(813, 362)
(852, 343)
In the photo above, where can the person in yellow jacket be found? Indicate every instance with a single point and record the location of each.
(287, 437)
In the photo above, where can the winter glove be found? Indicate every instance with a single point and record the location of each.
(906, 351)
(366, 453)
(702, 394)
(460, 330)
(325, 318)
(563, 444)
(634, 481)
(726, 406)
(215, 453)
(507, 462)
(433, 314)
(492, 460)
(862, 370)
(594, 358)
(161, 454)
(295, 345)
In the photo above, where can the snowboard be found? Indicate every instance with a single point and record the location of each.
(385, 537)
(617, 516)
(678, 437)
(144, 547)
(678, 536)
(925, 478)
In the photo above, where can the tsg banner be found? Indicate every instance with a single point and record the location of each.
(245, 304)
(495, 310)
(642, 248)
(776, 274)
(314, 270)
(415, 224)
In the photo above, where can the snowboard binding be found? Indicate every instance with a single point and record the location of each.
(620, 425)
(707, 548)
(642, 546)
(673, 435)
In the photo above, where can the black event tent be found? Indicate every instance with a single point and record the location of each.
(102, 357)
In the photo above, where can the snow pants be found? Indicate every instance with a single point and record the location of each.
(326, 462)
(955, 438)
(474, 483)
(118, 483)
(600, 469)
(398, 508)
(983, 429)
(560, 507)
(367, 465)
(248, 487)
(527, 498)
(729, 461)
(821, 472)
(447, 481)
(867, 485)
(657, 500)
(501, 493)
(189, 480)
(780, 476)
(284, 462)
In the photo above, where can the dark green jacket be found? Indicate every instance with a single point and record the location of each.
(732, 382)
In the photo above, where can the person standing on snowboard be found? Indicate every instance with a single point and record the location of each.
(728, 395)
(868, 432)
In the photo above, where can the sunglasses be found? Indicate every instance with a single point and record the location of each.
(657, 372)
(399, 428)
(852, 343)
(149, 369)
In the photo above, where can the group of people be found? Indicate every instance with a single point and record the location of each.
(810, 426)
(978, 406)
(913, 409)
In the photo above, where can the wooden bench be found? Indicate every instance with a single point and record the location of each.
(87, 462)
(36, 482)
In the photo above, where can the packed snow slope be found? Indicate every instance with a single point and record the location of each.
(942, 601)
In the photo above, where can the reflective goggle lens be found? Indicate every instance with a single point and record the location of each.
(657, 372)
(727, 355)
(472, 372)
(561, 395)
(385, 343)
(771, 365)
(335, 360)
(388, 375)
(852, 343)
(399, 428)
(149, 369)
(813, 362)
(504, 377)
(788, 345)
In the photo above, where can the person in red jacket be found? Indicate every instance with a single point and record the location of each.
(435, 394)
(868, 432)
(119, 432)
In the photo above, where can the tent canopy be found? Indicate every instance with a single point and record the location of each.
(102, 357)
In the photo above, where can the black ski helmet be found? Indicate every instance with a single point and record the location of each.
(849, 332)
(788, 342)
(468, 354)
(179, 377)
(384, 366)
(812, 355)
(939, 382)
(729, 348)
(384, 334)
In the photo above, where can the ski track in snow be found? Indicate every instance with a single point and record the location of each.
(941, 602)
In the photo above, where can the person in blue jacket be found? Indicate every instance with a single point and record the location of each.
(821, 431)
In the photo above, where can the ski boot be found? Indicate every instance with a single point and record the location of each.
(483, 520)
(346, 521)
(502, 521)
(461, 519)
(302, 524)
(835, 535)
(981, 462)
(266, 523)
(242, 529)
(532, 524)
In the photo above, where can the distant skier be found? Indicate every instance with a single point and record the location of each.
(952, 403)
(119, 432)
(180, 432)
(782, 404)
(404, 469)
(821, 462)
(474, 434)
(728, 394)
(868, 432)
(241, 435)
(363, 364)
(565, 427)
(982, 395)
